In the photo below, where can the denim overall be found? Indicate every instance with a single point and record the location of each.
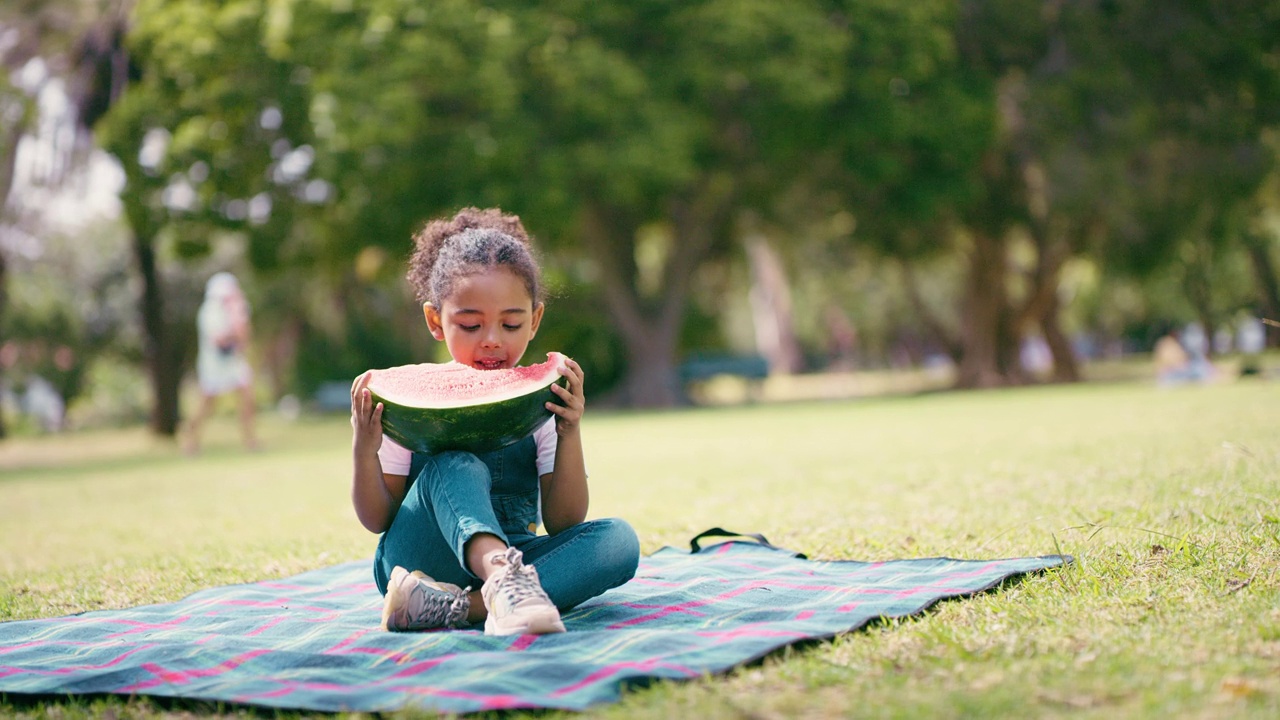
(451, 496)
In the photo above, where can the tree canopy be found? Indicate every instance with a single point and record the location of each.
(645, 142)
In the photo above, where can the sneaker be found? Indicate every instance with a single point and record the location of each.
(416, 602)
(514, 597)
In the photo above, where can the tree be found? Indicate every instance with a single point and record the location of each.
(1261, 240)
(168, 143)
(243, 129)
(911, 179)
(1095, 143)
(76, 44)
(597, 122)
(666, 122)
(1211, 99)
(639, 136)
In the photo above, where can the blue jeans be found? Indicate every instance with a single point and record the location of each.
(456, 495)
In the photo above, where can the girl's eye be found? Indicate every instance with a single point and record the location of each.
(512, 327)
(469, 328)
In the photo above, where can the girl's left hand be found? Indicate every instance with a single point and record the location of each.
(569, 415)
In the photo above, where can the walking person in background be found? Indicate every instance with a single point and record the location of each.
(222, 365)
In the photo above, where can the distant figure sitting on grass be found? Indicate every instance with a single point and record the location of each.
(1175, 365)
(222, 364)
(1170, 359)
(453, 520)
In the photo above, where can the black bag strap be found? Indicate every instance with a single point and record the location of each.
(695, 547)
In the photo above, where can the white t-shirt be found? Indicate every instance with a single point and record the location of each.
(396, 458)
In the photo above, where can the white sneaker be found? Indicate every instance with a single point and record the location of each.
(416, 602)
(514, 597)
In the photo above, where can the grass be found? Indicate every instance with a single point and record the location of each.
(1166, 498)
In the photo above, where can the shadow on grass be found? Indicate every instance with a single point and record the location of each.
(77, 468)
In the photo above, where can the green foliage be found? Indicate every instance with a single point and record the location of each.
(574, 325)
(320, 134)
(912, 124)
(549, 110)
(1206, 92)
(72, 306)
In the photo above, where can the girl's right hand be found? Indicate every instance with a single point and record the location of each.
(366, 417)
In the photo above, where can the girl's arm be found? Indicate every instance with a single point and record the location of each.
(375, 495)
(564, 489)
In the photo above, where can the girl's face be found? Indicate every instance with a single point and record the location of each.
(487, 321)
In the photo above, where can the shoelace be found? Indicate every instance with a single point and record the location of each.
(520, 582)
(458, 607)
(441, 607)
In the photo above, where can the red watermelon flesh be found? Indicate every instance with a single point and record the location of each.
(433, 407)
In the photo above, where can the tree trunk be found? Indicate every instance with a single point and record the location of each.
(650, 339)
(771, 309)
(1199, 290)
(989, 343)
(649, 333)
(1264, 271)
(1043, 305)
(4, 304)
(282, 354)
(933, 324)
(1066, 368)
(650, 329)
(651, 379)
(163, 353)
(8, 164)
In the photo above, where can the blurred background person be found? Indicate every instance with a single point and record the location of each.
(1196, 342)
(1173, 364)
(1251, 340)
(222, 365)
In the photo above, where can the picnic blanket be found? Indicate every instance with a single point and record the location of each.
(312, 641)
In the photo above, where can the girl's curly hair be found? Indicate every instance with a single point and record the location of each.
(473, 239)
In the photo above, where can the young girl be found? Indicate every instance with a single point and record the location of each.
(452, 521)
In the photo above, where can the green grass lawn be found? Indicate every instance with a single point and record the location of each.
(1167, 498)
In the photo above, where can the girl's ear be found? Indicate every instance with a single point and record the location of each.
(535, 320)
(434, 323)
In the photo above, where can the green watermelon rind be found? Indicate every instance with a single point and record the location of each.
(479, 428)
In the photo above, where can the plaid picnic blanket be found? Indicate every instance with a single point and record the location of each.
(312, 641)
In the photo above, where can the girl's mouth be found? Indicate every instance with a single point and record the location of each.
(489, 363)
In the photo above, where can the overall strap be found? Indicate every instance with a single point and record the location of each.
(416, 464)
(523, 446)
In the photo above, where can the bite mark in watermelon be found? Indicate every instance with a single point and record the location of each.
(433, 407)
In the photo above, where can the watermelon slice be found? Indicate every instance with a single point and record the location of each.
(433, 407)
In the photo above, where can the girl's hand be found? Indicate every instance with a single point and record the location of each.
(366, 418)
(574, 399)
